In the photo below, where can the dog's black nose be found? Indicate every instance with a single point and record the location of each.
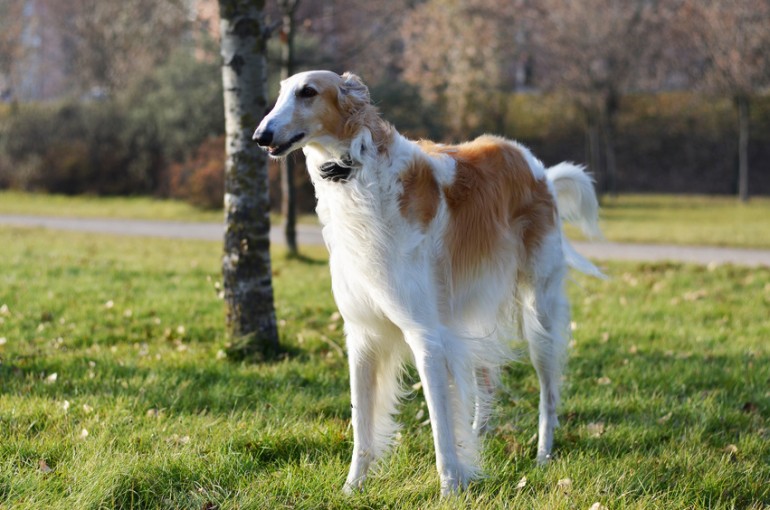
(263, 137)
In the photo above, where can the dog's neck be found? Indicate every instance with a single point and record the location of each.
(341, 162)
(338, 170)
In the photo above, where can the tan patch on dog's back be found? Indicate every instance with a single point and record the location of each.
(494, 198)
(420, 199)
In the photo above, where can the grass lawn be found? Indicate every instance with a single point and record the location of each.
(681, 219)
(662, 219)
(114, 392)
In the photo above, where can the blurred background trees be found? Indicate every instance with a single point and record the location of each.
(108, 96)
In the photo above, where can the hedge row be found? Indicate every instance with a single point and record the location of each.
(164, 137)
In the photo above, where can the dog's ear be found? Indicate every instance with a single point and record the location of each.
(353, 93)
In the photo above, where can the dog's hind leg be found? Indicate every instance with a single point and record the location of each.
(374, 390)
(545, 321)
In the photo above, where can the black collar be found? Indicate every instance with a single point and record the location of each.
(338, 170)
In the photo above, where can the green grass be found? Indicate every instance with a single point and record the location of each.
(666, 402)
(661, 219)
(140, 208)
(682, 219)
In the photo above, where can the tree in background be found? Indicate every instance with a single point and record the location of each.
(462, 54)
(732, 38)
(111, 43)
(246, 261)
(593, 51)
(10, 43)
(288, 164)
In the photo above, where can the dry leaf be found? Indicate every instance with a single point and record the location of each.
(4, 310)
(595, 429)
(731, 450)
(604, 381)
(3, 340)
(83, 434)
(65, 405)
(663, 419)
(565, 484)
(51, 378)
(109, 304)
(87, 409)
(695, 295)
(522, 483)
(221, 354)
(335, 317)
(598, 506)
(44, 467)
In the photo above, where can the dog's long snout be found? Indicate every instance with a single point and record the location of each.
(263, 136)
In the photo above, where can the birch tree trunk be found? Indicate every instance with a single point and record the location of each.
(246, 259)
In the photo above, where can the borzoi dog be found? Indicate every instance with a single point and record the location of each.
(439, 254)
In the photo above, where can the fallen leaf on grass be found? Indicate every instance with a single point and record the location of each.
(603, 381)
(178, 440)
(750, 407)
(695, 295)
(598, 506)
(522, 483)
(595, 429)
(83, 434)
(65, 405)
(731, 450)
(51, 378)
(3, 340)
(44, 467)
(663, 419)
(565, 484)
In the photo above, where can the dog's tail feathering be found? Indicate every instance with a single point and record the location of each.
(577, 204)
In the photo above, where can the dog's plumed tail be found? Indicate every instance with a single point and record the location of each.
(577, 204)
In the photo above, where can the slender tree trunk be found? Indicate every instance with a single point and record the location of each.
(289, 164)
(742, 103)
(593, 142)
(246, 260)
(607, 130)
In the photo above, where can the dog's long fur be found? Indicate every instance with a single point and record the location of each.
(439, 255)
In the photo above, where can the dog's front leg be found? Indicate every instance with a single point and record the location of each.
(432, 365)
(363, 378)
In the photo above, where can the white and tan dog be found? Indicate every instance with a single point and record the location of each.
(439, 254)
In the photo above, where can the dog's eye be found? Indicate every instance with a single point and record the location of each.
(307, 91)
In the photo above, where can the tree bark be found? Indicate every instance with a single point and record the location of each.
(607, 124)
(593, 139)
(246, 259)
(742, 103)
(288, 165)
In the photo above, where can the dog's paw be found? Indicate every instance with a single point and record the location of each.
(353, 487)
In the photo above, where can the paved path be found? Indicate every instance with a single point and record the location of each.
(311, 235)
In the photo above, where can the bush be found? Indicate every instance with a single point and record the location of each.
(200, 179)
(117, 146)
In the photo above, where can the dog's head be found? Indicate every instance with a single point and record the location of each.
(313, 107)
